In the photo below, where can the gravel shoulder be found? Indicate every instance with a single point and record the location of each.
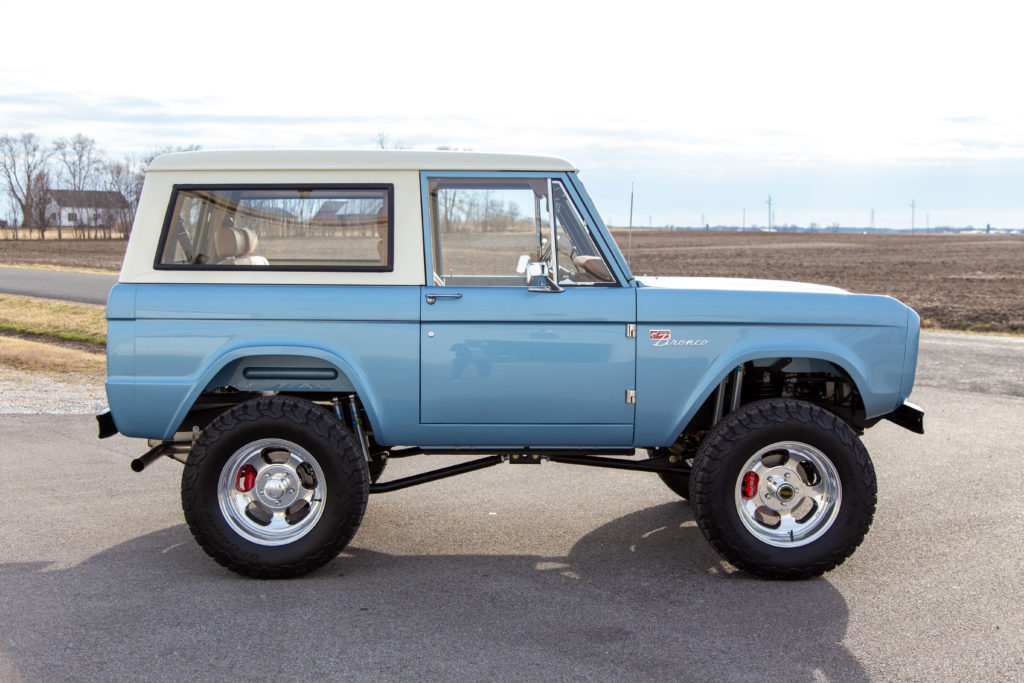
(24, 392)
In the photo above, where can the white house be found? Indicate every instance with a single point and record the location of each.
(93, 208)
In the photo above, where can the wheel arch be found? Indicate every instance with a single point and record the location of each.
(281, 368)
(720, 370)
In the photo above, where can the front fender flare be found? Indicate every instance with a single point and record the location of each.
(722, 367)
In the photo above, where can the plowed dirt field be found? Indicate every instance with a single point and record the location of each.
(956, 282)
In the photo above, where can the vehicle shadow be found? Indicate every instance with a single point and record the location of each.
(641, 597)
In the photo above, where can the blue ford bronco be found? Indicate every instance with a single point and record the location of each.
(286, 322)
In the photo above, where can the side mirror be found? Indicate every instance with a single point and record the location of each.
(539, 278)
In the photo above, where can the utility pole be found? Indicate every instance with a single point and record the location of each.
(744, 227)
(629, 247)
(913, 205)
(872, 219)
(769, 202)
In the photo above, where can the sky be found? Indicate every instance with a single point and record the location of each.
(705, 109)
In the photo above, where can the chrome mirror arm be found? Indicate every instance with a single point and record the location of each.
(540, 279)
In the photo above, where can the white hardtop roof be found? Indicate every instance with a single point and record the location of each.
(362, 160)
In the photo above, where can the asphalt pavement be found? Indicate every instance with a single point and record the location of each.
(548, 572)
(89, 288)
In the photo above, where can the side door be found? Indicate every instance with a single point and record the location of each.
(553, 363)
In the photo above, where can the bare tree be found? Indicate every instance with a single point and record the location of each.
(80, 164)
(126, 177)
(447, 200)
(39, 198)
(123, 177)
(80, 161)
(24, 168)
(10, 222)
(384, 141)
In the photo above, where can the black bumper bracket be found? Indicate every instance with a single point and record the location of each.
(909, 416)
(106, 423)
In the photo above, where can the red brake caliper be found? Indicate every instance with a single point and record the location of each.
(750, 482)
(245, 479)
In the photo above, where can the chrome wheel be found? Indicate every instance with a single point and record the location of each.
(788, 494)
(272, 492)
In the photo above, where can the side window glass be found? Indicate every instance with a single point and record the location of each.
(280, 228)
(486, 230)
(579, 259)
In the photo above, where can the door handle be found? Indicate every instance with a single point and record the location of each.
(431, 298)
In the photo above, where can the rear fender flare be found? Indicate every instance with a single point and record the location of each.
(349, 373)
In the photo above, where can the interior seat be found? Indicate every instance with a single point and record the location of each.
(235, 247)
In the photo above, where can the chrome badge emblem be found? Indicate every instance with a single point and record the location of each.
(664, 338)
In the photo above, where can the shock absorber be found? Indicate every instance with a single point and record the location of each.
(737, 388)
(734, 401)
(357, 426)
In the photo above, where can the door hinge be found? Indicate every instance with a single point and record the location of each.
(631, 330)
(630, 395)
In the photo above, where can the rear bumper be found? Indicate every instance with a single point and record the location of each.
(909, 416)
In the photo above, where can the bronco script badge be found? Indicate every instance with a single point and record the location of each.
(664, 338)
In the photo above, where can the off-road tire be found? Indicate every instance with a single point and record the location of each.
(716, 477)
(314, 429)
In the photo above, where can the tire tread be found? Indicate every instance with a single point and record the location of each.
(303, 414)
(711, 461)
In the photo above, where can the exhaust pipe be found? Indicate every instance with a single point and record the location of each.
(168, 448)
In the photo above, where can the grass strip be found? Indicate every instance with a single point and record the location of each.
(55, 319)
(24, 354)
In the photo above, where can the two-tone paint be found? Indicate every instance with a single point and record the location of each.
(493, 367)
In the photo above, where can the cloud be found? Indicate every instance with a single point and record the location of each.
(684, 164)
(967, 119)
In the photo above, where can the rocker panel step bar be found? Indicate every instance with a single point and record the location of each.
(434, 475)
(660, 464)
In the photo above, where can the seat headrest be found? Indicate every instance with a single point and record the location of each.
(235, 242)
